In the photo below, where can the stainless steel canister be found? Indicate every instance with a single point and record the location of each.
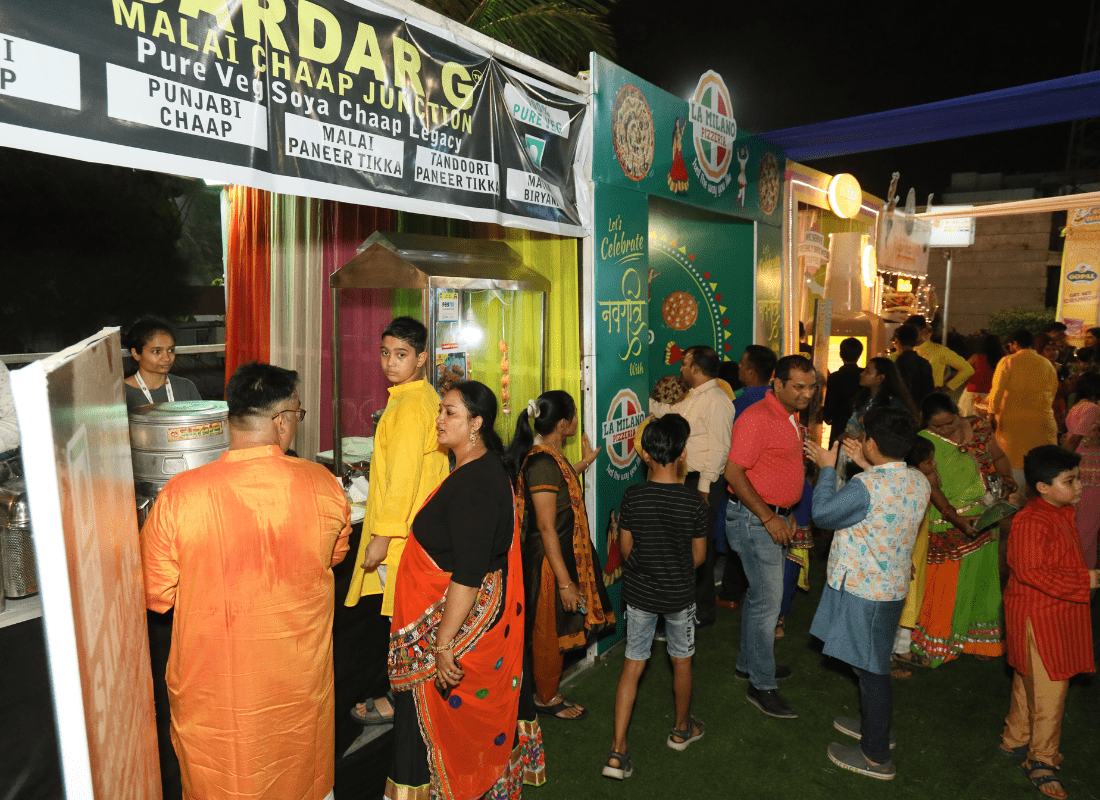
(17, 541)
(169, 438)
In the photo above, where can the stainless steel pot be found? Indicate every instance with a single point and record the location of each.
(169, 438)
(20, 572)
(180, 426)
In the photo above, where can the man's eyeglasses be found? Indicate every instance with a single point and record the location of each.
(300, 413)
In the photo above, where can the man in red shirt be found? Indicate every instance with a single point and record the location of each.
(766, 475)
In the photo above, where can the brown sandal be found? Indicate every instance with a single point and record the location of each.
(912, 659)
(1039, 781)
(898, 671)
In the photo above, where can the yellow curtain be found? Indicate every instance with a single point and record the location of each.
(513, 317)
(554, 257)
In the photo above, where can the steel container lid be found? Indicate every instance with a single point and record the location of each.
(181, 425)
(14, 510)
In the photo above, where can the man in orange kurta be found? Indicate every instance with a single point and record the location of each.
(243, 549)
(1021, 398)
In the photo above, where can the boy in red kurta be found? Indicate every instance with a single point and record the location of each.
(1046, 614)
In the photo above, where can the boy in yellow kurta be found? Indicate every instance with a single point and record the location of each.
(407, 465)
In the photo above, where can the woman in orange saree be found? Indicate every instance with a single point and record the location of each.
(456, 641)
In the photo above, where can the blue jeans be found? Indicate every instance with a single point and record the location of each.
(763, 560)
(641, 625)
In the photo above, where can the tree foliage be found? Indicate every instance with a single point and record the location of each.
(559, 32)
(1007, 320)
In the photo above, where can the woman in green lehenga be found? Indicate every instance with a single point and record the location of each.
(961, 611)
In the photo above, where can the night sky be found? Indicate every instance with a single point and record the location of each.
(796, 63)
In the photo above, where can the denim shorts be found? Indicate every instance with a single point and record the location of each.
(641, 625)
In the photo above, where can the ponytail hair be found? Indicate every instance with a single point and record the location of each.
(541, 416)
(144, 329)
(480, 401)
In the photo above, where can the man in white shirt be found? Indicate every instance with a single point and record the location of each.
(709, 412)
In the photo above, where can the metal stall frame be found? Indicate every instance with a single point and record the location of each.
(389, 260)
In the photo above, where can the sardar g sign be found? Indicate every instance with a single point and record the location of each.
(338, 99)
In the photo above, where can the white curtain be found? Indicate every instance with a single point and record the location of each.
(297, 292)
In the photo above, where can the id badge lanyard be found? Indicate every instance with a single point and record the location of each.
(149, 395)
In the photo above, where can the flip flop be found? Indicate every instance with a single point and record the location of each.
(557, 708)
(373, 716)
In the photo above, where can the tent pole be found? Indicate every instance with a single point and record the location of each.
(946, 298)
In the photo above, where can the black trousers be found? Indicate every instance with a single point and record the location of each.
(705, 595)
(876, 704)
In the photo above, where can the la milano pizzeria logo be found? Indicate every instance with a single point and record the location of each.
(713, 132)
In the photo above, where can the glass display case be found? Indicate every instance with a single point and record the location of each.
(485, 311)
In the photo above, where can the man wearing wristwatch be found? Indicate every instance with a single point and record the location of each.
(766, 475)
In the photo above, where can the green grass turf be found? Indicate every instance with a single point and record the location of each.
(947, 722)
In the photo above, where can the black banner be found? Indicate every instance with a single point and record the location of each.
(339, 100)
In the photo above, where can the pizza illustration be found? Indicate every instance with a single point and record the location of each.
(679, 311)
(632, 131)
(767, 183)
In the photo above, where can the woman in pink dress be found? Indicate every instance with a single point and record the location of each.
(1083, 438)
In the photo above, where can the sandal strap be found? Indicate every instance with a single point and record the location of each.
(622, 758)
(1033, 765)
(693, 723)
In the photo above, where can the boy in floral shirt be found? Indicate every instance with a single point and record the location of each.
(876, 517)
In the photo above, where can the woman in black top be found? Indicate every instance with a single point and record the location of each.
(566, 597)
(152, 344)
(456, 641)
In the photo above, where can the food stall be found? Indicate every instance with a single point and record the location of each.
(829, 252)
(322, 143)
(479, 302)
(685, 250)
(903, 245)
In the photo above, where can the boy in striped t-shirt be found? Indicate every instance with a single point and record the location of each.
(663, 527)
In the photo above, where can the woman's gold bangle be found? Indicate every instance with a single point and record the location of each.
(437, 649)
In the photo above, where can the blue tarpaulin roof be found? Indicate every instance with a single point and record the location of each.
(1059, 100)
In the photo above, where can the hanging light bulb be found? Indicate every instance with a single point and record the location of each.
(471, 333)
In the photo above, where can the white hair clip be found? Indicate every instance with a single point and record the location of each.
(532, 409)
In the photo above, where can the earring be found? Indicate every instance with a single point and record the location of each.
(473, 438)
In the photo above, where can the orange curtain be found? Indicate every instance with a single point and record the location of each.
(248, 278)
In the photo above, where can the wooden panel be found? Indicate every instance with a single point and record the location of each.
(1008, 255)
(1031, 241)
(1016, 222)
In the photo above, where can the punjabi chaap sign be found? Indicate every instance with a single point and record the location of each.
(340, 100)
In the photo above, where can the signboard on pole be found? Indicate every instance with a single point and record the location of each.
(953, 231)
(338, 100)
(1079, 292)
(73, 426)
